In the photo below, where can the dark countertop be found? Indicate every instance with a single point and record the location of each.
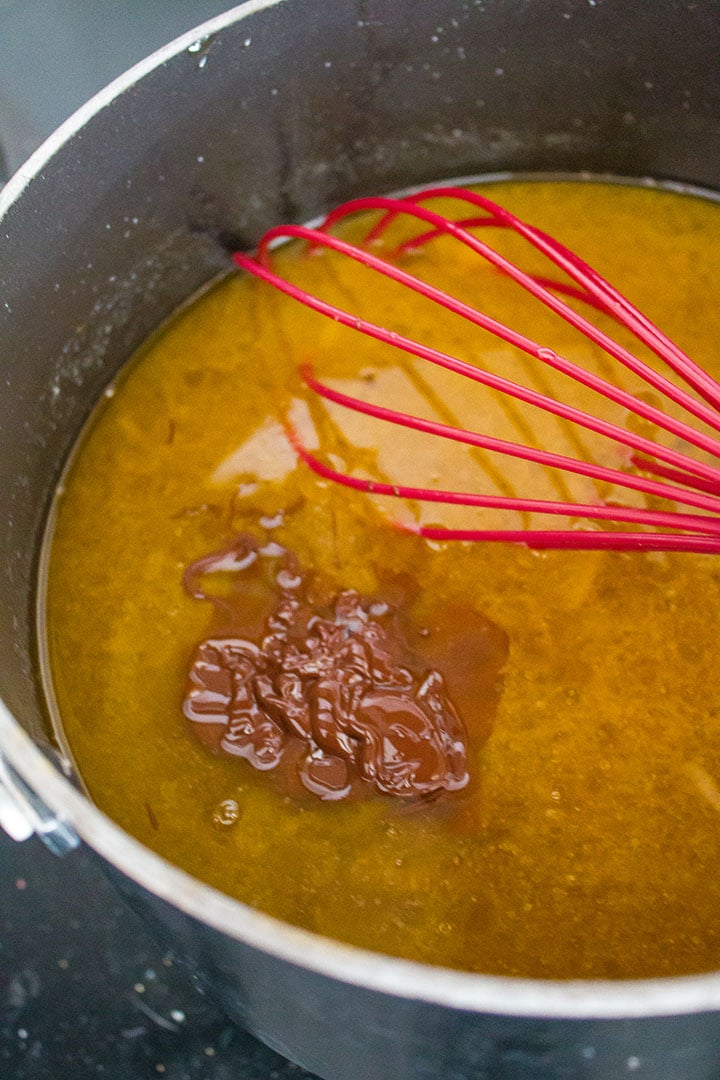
(84, 991)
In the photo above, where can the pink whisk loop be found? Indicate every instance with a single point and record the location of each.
(659, 471)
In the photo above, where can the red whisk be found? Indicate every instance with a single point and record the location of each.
(661, 472)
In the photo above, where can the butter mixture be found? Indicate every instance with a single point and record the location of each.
(578, 834)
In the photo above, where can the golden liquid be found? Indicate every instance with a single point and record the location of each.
(588, 841)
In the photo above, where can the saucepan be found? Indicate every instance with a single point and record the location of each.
(274, 112)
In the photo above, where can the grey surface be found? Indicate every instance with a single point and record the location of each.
(55, 54)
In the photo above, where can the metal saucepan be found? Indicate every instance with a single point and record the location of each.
(274, 112)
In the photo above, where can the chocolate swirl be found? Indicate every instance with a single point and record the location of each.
(340, 693)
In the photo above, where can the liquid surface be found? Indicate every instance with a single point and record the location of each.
(586, 843)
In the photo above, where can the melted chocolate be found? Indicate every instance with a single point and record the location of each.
(339, 695)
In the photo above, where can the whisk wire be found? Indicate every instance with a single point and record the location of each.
(608, 298)
(699, 480)
(549, 357)
(664, 519)
(593, 284)
(601, 473)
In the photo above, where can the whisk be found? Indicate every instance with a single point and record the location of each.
(687, 483)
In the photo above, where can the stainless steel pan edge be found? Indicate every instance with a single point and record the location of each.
(344, 1013)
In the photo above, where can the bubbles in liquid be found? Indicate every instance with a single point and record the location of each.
(226, 814)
